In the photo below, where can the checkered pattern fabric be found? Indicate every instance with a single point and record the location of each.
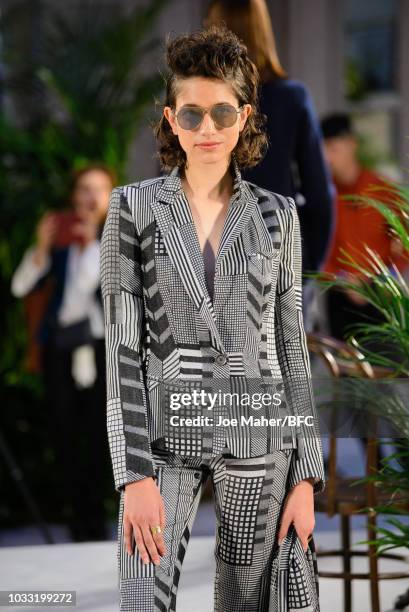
(165, 334)
(251, 575)
(294, 585)
(162, 328)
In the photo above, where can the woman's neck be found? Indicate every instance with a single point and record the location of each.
(208, 182)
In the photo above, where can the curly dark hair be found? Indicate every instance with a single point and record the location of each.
(216, 53)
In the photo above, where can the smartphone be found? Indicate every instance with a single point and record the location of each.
(65, 223)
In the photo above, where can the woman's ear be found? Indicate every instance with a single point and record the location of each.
(247, 110)
(168, 114)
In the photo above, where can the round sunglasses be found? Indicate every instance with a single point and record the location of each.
(223, 115)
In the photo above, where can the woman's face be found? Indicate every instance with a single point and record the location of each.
(205, 92)
(91, 193)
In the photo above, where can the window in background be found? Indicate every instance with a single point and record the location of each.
(370, 36)
(371, 46)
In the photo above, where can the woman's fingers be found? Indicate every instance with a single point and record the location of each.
(303, 535)
(128, 531)
(162, 515)
(46, 229)
(160, 543)
(304, 531)
(298, 509)
(303, 528)
(144, 508)
(284, 525)
(141, 544)
(150, 543)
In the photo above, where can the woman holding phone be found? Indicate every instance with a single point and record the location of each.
(62, 266)
(201, 284)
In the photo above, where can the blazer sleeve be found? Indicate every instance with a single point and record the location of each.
(307, 460)
(122, 294)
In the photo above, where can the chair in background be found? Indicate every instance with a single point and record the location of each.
(339, 497)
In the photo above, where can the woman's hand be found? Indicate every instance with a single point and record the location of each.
(299, 509)
(46, 232)
(144, 508)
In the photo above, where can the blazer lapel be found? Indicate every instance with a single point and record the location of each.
(173, 216)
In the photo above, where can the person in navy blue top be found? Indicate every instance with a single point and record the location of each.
(294, 164)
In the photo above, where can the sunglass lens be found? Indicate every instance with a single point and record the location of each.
(224, 115)
(189, 118)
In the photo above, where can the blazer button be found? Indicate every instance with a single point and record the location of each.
(221, 359)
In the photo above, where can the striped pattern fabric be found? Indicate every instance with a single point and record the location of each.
(164, 333)
(252, 572)
(294, 580)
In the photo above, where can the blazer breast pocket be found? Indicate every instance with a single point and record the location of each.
(261, 265)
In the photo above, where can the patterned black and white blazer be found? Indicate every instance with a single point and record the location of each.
(164, 332)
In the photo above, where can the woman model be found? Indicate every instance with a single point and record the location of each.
(201, 284)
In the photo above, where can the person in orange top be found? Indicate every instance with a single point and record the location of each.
(356, 225)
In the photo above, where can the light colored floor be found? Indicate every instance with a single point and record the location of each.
(90, 569)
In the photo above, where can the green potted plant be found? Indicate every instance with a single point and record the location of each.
(388, 291)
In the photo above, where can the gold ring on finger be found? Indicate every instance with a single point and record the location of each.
(156, 529)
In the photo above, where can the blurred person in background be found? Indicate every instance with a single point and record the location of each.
(70, 334)
(294, 164)
(356, 225)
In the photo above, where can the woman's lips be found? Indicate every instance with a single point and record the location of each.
(209, 146)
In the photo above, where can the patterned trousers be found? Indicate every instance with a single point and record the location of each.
(248, 496)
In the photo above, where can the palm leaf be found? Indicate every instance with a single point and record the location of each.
(386, 289)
